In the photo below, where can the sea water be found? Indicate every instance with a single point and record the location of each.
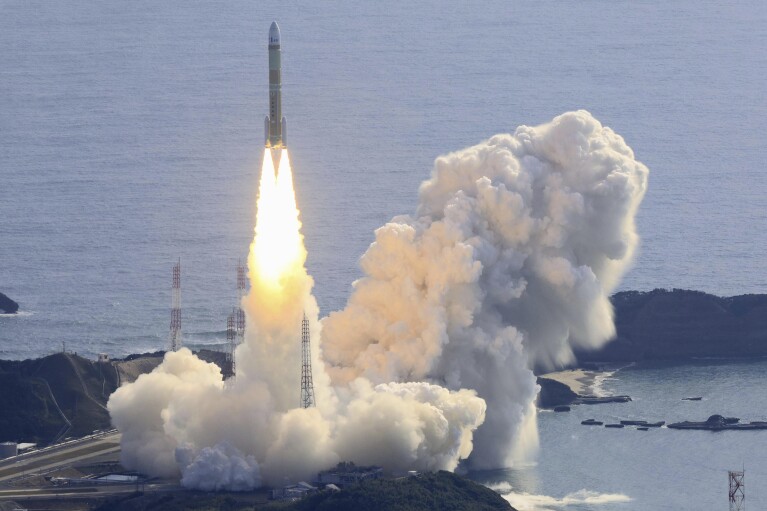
(131, 135)
(596, 468)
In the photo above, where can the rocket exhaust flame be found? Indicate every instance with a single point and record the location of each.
(277, 247)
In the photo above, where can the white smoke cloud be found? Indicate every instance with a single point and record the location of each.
(506, 264)
(182, 419)
(218, 468)
(141, 412)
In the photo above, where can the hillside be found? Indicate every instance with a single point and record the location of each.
(63, 394)
(681, 324)
(441, 491)
(53, 397)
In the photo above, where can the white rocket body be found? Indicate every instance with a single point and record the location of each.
(275, 125)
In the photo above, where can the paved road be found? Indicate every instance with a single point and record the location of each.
(82, 492)
(61, 455)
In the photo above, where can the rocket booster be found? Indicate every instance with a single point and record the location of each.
(275, 125)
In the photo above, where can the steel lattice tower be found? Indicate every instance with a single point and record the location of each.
(242, 282)
(737, 491)
(307, 386)
(235, 323)
(175, 311)
(230, 338)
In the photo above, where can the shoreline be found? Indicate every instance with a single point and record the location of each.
(586, 382)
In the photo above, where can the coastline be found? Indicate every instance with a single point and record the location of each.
(586, 382)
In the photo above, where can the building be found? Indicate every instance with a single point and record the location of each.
(346, 473)
(294, 491)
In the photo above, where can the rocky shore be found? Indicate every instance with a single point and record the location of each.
(557, 395)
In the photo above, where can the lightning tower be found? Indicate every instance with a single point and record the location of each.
(307, 386)
(230, 338)
(242, 282)
(235, 323)
(175, 311)
(737, 491)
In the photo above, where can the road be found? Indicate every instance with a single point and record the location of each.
(82, 492)
(58, 456)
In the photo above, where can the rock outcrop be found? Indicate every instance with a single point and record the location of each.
(681, 324)
(8, 306)
(554, 393)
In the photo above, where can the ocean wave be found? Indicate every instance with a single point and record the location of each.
(597, 387)
(19, 314)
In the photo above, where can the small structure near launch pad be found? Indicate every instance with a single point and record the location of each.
(346, 473)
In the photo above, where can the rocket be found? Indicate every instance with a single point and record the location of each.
(275, 125)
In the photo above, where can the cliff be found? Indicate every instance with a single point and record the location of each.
(681, 324)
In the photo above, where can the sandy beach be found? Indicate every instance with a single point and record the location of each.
(579, 381)
(584, 382)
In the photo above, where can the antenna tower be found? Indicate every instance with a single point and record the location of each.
(737, 491)
(307, 386)
(175, 311)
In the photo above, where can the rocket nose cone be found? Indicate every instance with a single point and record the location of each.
(274, 33)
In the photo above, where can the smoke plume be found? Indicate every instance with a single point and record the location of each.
(505, 265)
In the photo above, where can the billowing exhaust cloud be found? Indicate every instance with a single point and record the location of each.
(506, 265)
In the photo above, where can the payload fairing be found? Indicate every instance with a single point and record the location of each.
(275, 125)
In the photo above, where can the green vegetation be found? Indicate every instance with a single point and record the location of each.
(31, 389)
(25, 410)
(184, 501)
(441, 491)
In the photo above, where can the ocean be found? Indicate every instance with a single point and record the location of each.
(594, 468)
(131, 135)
